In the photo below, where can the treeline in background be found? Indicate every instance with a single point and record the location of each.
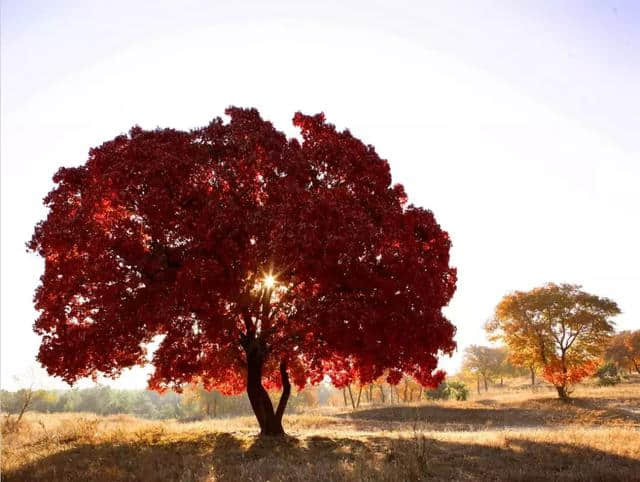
(196, 403)
(484, 368)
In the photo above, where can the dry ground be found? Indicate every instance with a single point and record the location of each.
(504, 436)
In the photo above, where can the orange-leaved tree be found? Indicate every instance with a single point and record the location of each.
(624, 350)
(519, 352)
(558, 327)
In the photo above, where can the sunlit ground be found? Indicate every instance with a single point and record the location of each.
(505, 435)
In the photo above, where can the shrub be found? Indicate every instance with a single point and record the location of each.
(449, 390)
(439, 393)
(608, 375)
(458, 391)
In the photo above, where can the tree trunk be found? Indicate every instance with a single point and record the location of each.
(533, 377)
(371, 393)
(286, 392)
(562, 393)
(28, 396)
(344, 395)
(215, 407)
(501, 381)
(406, 386)
(381, 393)
(353, 404)
(270, 421)
(486, 387)
(478, 383)
(359, 395)
(562, 390)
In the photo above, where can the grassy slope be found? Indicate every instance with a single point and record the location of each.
(507, 436)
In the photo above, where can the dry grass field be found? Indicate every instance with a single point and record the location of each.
(501, 436)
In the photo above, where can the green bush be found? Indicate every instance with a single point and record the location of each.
(439, 393)
(449, 391)
(458, 391)
(608, 375)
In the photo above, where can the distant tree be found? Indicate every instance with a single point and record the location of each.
(624, 350)
(252, 257)
(410, 388)
(95, 400)
(355, 394)
(520, 352)
(633, 344)
(169, 406)
(24, 399)
(484, 361)
(560, 328)
(8, 402)
(69, 401)
(378, 389)
(120, 401)
(19, 403)
(467, 377)
(145, 403)
(505, 368)
(207, 400)
(44, 400)
(502, 367)
(304, 399)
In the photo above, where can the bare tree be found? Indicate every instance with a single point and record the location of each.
(27, 396)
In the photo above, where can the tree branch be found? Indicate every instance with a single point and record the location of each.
(286, 390)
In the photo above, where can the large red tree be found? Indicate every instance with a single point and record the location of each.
(255, 257)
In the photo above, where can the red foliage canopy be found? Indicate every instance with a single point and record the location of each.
(171, 233)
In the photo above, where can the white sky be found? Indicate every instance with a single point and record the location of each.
(518, 126)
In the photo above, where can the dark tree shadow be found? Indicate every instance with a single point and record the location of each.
(224, 457)
(452, 418)
(545, 413)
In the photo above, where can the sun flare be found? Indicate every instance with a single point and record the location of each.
(269, 281)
